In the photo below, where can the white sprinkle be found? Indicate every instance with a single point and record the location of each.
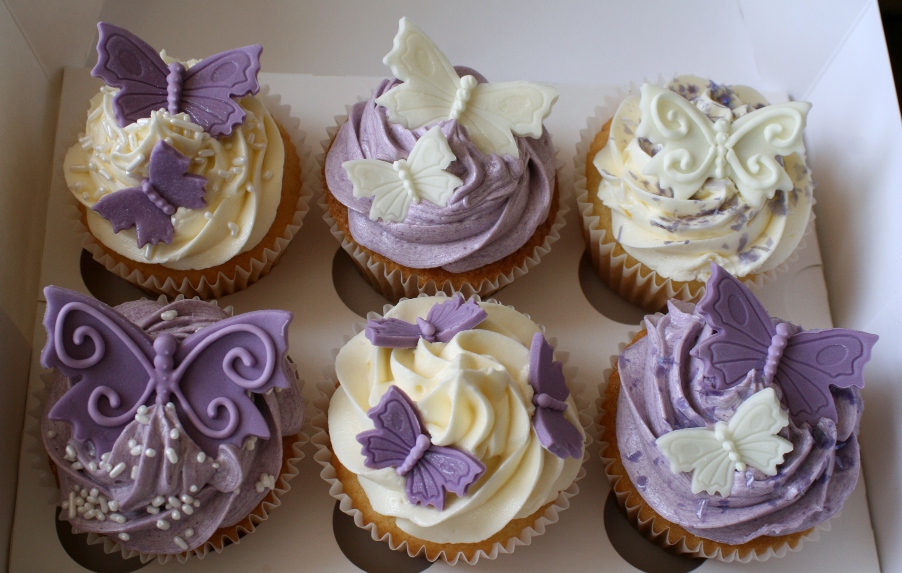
(81, 509)
(233, 229)
(134, 473)
(267, 175)
(89, 514)
(89, 505)
(117, 517)
(259, 487)
(216, 187)
(168, 506)
(174, 434)
(251, 137)
(150, 452)
(176, 515)
(163, 524)
(251, 443)
(136, 450)
(208, 215)
(104, 506)
(239, 161)
(201, 457)
(124, 536)
(225, 174)
(152, 510)
(249, 188)
(114, 505)
(170, 406)
(169, 315)
(105, 174)
(192, 489)
(79, 168)
(251, 125)
(142, 410)
(134, 163)
(173, 501)
(174, 221)
(92, 166)
(158, 501)
(206, 153)
(100, 191)
(148, 254)
(85, 196)
(103, 457)
(77, 466)
(76, 187)
(172, 456)
(200, 160)
(99, 516)
(120, 467)
(83, 492)
(196, 503)
(236, 170)
(168, 139)
(72, 506)
(93, 500)
(215, 465)
(237, 490)
(189, 532)
(258, 146)
(105, 467)
(180, 542)
(92, 466)
(227, 146)
(70, 454)
(187, 509)
(132, 443)
(186, 498)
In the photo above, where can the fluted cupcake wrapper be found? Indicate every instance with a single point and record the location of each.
(545, 516)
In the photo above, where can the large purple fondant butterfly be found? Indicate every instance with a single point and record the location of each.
(546, 376)
(804, 365)
(400, 442)
(149, 207)
(114, 368)
(441, 324)
(146, 83)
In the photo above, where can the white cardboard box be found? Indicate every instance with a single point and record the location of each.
(830, 53)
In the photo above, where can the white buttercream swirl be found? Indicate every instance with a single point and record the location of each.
(472, 393)
(243, 171)
(679, 239)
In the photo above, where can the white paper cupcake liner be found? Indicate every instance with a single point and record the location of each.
(244, 276)
(320, 439)
(46, 478)
(395, 284)
(650, 290)
(660, 533)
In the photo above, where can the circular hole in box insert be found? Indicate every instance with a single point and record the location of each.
(602, 298)
(636, 549)
(105, 286)
(370, 555)
(92, 557)
(353, 290)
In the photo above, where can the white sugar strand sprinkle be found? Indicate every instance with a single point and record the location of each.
(181, 543)
(172, 456)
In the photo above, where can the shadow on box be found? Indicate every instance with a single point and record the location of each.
(354, 290)
(603, 299)
(107, 287)
(92, 557)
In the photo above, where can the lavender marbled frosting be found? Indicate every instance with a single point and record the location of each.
(156, 491)
(497, 209)
(663, 389)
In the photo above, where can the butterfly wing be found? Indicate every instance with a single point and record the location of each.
(755, 139)
(743, 329)
(815, 360)
(546, 376)
(754, 427)
(453, 316)
(379, 180)
(697, 450)
(107, 359)
(131, 207)
(218, 365)
(557, 434)
(430, 82)
(127, 62)
(686, 159)
(397, 428)
(392, 333)
(427, 161)
(168, 173)
(441, 469)
(210, 85)
(498, 111)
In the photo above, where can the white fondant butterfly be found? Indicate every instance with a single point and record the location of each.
(432, 91)
(695, 148)
(394, 186)
(748, 439)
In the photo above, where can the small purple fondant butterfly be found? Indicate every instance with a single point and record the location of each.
(804, 364)
(546, 376)
(441, 324)
(149, 207)
(400, 442)
(146, 83)
(115, 368)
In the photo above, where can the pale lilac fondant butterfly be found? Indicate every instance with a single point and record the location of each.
(546, 376)
(400, 442)
(441, 324)
(149, 207)
(804, 365)
(146, 83)
(114, 368)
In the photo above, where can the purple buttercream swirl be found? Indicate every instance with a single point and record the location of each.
(156, 491)
(497, 209)
(663, 389)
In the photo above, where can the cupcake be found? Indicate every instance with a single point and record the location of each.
(441, 181)
(192, 188)
(452, 433)
(170, 427)
(729, 434)
(691, 174)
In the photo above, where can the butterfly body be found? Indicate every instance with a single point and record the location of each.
(443, 321)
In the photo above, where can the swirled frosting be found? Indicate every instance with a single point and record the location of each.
(679, 239)
(243, 171)
(472, 393)
(663, 389)
(502, 201)
(156, 491)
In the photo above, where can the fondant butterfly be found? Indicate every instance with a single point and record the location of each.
(441, 324)
(149, 207)
(394, 186)
(146, 83)
(546, 376)
(115, 368)
(400, 442)
(432, 91)
(804, 365)
(695, 148)
(748, 439)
